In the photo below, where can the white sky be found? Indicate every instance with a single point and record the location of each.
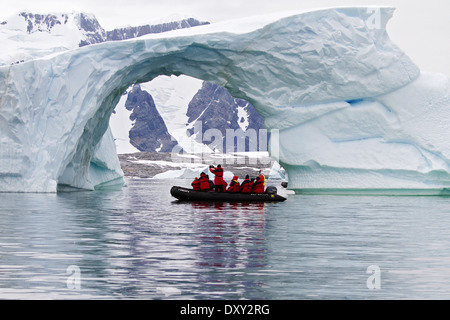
(421, 28)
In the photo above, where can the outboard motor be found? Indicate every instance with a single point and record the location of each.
(271, 190)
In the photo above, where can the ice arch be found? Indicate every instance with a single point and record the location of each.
(293, 69)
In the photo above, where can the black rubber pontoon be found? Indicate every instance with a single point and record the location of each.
(186, 194)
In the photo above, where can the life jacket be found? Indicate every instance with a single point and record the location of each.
(204, 183)
(234, 185)
(246, 186)
(258, 186)
(263, 178)
(196, 184)
(218, 176)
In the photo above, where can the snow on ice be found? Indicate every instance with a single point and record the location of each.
(353, 111)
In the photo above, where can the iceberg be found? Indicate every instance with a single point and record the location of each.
(392, 143)
(351, 110)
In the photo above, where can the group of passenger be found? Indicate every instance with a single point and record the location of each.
(219, 185)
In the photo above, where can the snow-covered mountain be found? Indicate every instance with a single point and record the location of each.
(26, 35)
(134, 32)
(149, 131)
(156, 116)
(172, 96)
(219, 112)
(191, 110)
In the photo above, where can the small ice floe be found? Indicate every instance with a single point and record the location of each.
(168, 291)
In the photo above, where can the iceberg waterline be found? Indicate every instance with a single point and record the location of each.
(353, 110)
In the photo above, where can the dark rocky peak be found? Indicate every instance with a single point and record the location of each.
(134, 32)
(149, 132)
(43, 22)
(91, 28)
(215, 108)
(88, 23)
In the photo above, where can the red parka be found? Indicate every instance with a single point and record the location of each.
(218, 176)
(204, 182)
(234, 185)
(196, 184)
(246, 186)
(258, 186)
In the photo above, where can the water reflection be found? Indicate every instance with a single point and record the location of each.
(139, 243)
(229, 241)
(128, 245)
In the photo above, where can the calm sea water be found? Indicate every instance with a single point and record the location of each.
(139, 243)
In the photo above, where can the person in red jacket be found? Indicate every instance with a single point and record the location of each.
(246, 186)
(263, 178)
(218, 178)
(258, 185)
(204, 182)
(234, 185)
(196, 184)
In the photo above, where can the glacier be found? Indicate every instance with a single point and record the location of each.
(350, 108)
